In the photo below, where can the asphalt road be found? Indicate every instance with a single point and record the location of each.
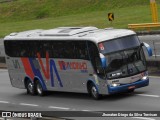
(144, 99)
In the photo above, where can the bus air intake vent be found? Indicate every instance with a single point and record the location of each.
(66, 31)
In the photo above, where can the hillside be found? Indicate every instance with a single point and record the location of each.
(20, 15)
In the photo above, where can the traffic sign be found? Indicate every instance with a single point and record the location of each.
(110, 16)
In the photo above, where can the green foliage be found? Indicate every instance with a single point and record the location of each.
(20, 15)
(35, 9)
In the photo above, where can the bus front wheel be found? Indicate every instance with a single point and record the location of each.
(39, 89)
(94, 92)
(130, 91)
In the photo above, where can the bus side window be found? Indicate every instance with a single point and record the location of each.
(94, 56)
(80, 50)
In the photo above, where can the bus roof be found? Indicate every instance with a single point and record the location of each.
(71, 33)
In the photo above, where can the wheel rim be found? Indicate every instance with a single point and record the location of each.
(30, 87)
(94, 91)
(39, 89)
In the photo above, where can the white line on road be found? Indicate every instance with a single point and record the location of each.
(90, 111)
(26, 104)
(143, 118)
(5, 119)
(4, 102)
(3, 70)
(157, 43)
(146, 95)
(155, 77)
(87, 110)
(54, 107)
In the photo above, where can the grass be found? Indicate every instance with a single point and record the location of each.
(45, 14)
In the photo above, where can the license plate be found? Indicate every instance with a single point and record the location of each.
(131, 87)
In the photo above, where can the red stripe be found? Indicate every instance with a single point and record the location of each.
(45, 71)
(60, 64)
(27, 67)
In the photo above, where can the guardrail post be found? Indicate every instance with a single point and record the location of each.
(154, 49)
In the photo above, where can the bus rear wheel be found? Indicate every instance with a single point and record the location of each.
(94, 92)
(30, 88)
(39, 89)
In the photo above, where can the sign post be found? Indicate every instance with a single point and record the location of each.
(154, 11)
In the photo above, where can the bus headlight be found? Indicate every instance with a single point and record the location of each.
(115, 85)
(145, 78)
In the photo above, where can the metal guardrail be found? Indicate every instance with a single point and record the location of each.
(154, 42)
(144, 25)
(154, 61)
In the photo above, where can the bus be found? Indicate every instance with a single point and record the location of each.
(77, 59)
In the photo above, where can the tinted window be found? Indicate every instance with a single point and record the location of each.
(94, 55)
(56, 49)
(119, 44)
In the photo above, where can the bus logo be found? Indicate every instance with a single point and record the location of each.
(72, 65)
(101, 46)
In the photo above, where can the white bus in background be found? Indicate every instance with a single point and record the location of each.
(77, 59)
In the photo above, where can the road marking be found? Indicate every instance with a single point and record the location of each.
(143, 118)
(54, 107)
(90, 111)
(157, 43)
(87, 110)
(3, 70)
(26, 104)
(146, 95)
(4, 119)
(155, 77)
(4, 102)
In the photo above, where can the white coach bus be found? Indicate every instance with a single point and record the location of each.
(77, 59)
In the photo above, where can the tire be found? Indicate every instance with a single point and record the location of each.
(30, 88)
(130, 91)
(94, 92)
(39, 89)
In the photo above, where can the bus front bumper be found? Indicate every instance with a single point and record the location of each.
(126, 87)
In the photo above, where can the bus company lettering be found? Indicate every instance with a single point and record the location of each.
(72, 65)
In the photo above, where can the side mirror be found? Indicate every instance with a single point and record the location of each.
(103, 60)
(148, 48)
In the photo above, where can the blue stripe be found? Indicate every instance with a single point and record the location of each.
(37, 73)
(53, 66)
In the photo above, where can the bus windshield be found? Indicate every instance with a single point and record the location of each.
(124, 61)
